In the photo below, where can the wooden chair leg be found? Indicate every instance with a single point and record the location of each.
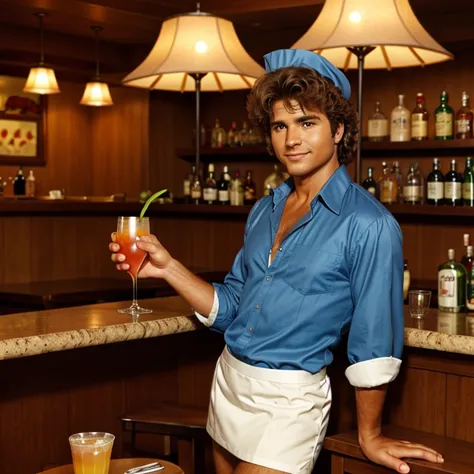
(199, 456)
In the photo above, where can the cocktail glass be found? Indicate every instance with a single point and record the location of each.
(129, 230)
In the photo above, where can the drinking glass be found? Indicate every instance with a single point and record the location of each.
(129, 230)
(91, 452)
(418, 302)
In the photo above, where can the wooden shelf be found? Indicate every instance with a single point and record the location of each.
(424, 210)
(227, 154)
(413, 149)
(429, 148)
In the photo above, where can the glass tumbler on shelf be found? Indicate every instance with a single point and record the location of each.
(129, 230)
(419, 303)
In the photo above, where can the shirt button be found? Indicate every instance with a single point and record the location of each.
(280, 249)
(258, 306)
(267, 278)
(250, 329)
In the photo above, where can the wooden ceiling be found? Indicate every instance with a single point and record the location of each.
(132, 26)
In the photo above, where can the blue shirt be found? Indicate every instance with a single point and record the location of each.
(339, 270)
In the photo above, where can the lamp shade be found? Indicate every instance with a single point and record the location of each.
(41, 80)
(390, 26)
(196, 43)
(96, 94)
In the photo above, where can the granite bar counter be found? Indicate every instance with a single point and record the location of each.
(40, 332)
(90, 365)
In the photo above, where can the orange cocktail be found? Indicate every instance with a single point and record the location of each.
(129, 230)
(128, 247)
(91, 452)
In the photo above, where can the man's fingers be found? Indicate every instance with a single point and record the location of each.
(422, 446)
(415, 452)
(149, 238)
(122, 266)
(114, 247)
(149, 247)
(394, 463)
(113, 236)
(117, 257)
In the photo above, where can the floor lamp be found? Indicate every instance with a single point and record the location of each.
(196, 52)
(381, 34)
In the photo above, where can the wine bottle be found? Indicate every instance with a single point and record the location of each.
(435, 185)
(451, 285)
(453, 186)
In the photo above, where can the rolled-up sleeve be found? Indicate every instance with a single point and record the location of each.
(377, 329)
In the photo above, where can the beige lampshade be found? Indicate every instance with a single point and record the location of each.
(388, 25)
(97, 94)
(196, 43)
(41, 80)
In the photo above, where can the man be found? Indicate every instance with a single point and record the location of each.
(321, 257)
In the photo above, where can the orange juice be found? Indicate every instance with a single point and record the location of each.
(91, 454)
(128, 247)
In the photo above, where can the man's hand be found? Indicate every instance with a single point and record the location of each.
(389, 452)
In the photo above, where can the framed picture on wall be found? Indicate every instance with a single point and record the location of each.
(22, 124)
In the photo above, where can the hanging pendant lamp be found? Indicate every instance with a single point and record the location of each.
(41, 79)
(97, 93)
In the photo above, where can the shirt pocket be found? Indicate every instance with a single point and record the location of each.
(311, 271)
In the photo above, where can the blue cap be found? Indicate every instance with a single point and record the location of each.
(303, 58)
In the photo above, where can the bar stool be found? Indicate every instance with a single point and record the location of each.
(119, 466)
(182, 422)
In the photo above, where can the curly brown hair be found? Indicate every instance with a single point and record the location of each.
(311, 90)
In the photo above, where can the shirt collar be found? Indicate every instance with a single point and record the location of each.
(331, 194)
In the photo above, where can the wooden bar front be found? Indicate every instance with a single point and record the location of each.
(50, 395)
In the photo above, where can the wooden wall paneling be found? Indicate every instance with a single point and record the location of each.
(120, 144)
(17, 250)
(460, 401)
(417, 400)
(172, 120)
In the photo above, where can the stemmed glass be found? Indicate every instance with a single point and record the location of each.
(129, 230)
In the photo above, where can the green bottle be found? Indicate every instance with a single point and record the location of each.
(444, 119)
(452, 285)
(468, 185)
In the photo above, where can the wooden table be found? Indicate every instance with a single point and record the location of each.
(119, 466)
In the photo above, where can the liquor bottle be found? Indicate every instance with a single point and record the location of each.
(435, 185)
(419, 119)
(19, 183)
(406, 279)
(274, 180)
(388, 186)
(236, 191)
(412, 191)
(244, 135)
(219, 137)
(187, 182)
(453, 186)
(196, 188)
(451, 285)
(444, 119)
(400, 122)
(223, 189)
(209, 191)
(250, 192)
(226, 174)
(468, 185)
(397, 174)
(468, 259)
(31, 185)
(369, 183)
(378, 125)
(231, 135)
(464, 118)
